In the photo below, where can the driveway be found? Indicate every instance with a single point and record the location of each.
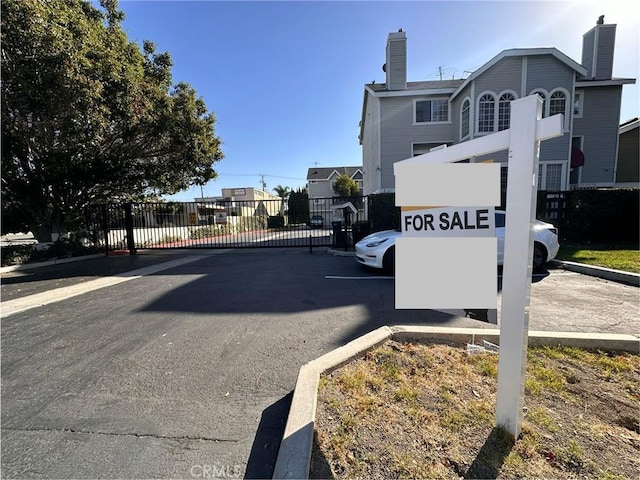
(187, 372)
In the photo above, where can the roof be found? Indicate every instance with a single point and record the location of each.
(427, 85)
(629, 125)
(324, 173)
(522, 52)
(606, 82)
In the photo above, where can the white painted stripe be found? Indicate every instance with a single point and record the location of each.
(337, 277)
(45, 298)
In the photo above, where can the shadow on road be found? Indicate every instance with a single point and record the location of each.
(264, 451)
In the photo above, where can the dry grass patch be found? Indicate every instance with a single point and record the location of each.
(427, 411)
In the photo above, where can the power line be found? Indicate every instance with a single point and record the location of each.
(256, 175)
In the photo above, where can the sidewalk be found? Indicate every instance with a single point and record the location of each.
(619, 276)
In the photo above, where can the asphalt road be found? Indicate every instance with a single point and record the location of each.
(187, 372)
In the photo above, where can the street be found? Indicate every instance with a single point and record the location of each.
(187, 372)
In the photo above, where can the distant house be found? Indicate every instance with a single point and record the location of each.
(401, 119)
(627, 170)
(243, 202)
(320, 183)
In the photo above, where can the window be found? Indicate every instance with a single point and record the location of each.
(420, 148)
(504, 110)
(577, 104)
(543, 95)
(429, 111)
(575, 172)
(558, 103)
(554, 177)
(464, 119)
(550, 176)
(486, 113)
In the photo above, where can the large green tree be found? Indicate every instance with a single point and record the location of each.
(345, 186)
(89, 116)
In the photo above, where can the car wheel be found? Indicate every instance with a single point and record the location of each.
(539, 256)
(389, 261)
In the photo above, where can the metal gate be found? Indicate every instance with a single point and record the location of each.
(315, 222)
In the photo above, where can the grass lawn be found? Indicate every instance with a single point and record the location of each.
(625, 257)
(427, 411)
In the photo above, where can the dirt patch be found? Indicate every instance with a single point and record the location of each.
(427, 411)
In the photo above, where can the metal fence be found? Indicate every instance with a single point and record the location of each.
(229, 224)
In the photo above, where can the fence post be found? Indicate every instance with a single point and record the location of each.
(128, 226)
(105, 228)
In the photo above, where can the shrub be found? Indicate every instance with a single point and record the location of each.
(383, 213)
(203, 232)
(61, 248)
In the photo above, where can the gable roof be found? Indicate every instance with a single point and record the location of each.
(324, 173)
(522, 52)
(629, 125)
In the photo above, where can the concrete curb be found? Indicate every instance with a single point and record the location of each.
(30, 266)
(619, 276)
(294, 456)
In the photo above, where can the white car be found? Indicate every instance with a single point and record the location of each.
(378, 249)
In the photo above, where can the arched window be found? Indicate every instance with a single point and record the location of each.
(486, 113)
(558, 103)
(464, 118)
(504, 110)
(545, 101)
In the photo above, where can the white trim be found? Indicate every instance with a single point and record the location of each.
(567, 107)
(411, 93)
(378, 161)
(545, 103)
(580, 94)
(472, 115)
(437, 145)
(542, 180)
(629, 126)
(606, 83)
(515, 52)
(568, 182)
(495, 109)
(594, 62)
(497, 119)
(468, 135)
(431, 99)
(523, 78)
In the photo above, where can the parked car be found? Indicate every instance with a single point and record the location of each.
(317, 221)
(378, 249)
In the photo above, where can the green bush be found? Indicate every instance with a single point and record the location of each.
(202, 232)
(595, 216)
(275, 221)
(383, 213)
(170, 239)
(61, 248)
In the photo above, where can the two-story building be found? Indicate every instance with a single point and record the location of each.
(401, 119)
(244, 202)
(320, 181)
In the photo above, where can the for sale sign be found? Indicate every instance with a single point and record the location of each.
(448, 221)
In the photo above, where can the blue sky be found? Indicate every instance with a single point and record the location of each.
(285, 79)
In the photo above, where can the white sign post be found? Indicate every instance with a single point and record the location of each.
(522, 187)
(523, 141)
